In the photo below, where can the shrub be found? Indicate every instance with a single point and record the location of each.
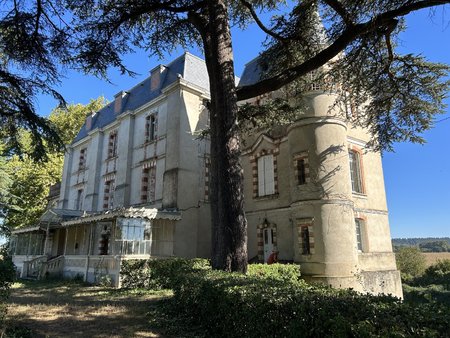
(268, 303)
(234, 305)
(438, 273)
(281, 272)
(158, 273)
(411, 262)
(271, 301)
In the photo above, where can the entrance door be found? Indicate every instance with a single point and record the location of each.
(61, 242)
(268, 243)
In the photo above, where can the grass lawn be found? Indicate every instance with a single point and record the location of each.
(68, 309)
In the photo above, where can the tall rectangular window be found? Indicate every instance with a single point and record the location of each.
(266, 175)
(79, 200)
(112, 144)
(306, 246)
(108, 194)
(355, 171)
(148, 185)
(359, 224)
(301, 170)
(82, 159)
(150, 128)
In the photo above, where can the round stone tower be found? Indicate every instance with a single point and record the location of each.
(328, 200)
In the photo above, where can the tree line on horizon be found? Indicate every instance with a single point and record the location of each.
(424, 244)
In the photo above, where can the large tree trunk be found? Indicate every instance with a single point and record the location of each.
(229, 226)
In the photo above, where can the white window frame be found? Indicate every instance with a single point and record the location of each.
(266, 175)
(355, 171)
(151, 127)
(359, 229)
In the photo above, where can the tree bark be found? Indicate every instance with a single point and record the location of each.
(229, 225)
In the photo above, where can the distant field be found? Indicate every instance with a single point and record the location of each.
(433, 257)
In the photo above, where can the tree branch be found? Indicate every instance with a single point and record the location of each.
(347, 36)
(340, 10)
(260, 24)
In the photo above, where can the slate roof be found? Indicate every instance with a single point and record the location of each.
(188, 67)
(252, 72)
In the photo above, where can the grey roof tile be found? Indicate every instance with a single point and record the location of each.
(188, 66)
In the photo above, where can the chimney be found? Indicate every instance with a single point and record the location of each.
(155, 79)
(89, 117)
(118, 101)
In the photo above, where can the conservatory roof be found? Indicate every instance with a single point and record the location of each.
(131, 212)
(27, 229)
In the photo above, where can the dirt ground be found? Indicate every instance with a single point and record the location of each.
(70, 310)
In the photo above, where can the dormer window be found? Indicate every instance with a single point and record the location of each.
(150, 128)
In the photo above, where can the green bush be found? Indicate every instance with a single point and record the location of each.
(234, 305)
(281, 272)
(271, 301)
(438, 273)
(410, 262)
(158, 273)
(433, 293)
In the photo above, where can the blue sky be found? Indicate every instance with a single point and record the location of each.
(417, 177)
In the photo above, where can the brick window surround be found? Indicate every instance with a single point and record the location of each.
(260, 237)
(148, 183)
(82, 159)
(301, 168)
(356, 169)
(112, 144)
(108, 193)
(254, 164)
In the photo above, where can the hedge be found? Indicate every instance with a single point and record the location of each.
(267, 303)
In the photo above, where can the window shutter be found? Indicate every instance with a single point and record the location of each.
(269, 175)
(261, 177)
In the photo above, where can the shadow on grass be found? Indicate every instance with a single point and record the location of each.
(68, 309)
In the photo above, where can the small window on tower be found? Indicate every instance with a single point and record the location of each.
(355, 171)
(359, 224)
(306, 246)
(301, 169)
